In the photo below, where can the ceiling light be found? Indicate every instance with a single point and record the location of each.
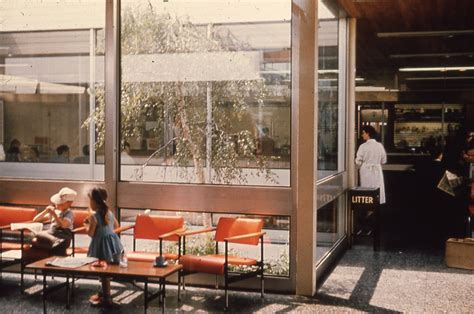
(433, 55)
(327, 71)
(374, 89)
(436, 78)
(426, 34)
(14, 65)
(442, 69)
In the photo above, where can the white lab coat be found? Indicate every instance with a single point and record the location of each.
(2, 153)
(370, 157)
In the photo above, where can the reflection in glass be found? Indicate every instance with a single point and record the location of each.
(328, 103)
(330, 226)
(50, 64)
(205, 93)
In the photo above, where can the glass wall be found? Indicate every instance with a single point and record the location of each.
(205, 92)
(51, 73)
(332, 107)
(276, 239)
(331, 97)
(330, 226)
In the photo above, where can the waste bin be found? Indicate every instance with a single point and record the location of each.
(365, 202)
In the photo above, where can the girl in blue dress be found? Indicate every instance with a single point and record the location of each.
(105, 244)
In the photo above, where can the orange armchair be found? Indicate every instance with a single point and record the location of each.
(9, 215)
(150, 227)
(78, 228)
(228, 230)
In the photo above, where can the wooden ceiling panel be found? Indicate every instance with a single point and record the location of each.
(400, 18)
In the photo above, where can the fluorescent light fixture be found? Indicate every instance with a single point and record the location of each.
(14, 65)
(426, 34)
(374, 89)
(432, 55)
(275, 71)
(442, 69)
(358, 79)
(436, 78)
(327, 71)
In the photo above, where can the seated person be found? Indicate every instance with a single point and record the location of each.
(2, 153)
(125, 157)
(13, 153)
(63, 154)
(61, 220)
(265, 144)
(85, 158)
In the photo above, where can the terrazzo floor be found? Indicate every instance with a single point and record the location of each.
(412, 280)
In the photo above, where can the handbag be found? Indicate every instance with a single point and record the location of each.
(45, 240)
(450, 183)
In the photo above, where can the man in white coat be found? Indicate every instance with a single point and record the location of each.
(370, 157)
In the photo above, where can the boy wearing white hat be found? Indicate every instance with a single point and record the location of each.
(62, 219)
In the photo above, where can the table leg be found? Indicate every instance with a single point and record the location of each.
(72, 287)
(163, 295)
(68, 302)
(146, 295)
(44, 293)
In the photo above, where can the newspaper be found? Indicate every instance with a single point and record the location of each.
(34, 227)
(11, 255)
(450, 183)
(71, 262)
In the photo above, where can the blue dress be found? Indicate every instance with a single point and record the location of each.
(105, 244)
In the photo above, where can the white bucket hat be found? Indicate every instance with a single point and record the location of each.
(64, 195)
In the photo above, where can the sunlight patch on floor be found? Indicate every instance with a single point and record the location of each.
(342, 281)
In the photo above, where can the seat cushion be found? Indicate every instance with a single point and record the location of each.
(212, 264)
(149, 256)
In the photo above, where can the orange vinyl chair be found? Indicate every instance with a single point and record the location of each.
(9, 238)
(228, 230)
(150, 227)
(78, 228)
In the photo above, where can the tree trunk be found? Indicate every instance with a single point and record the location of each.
(194, 148)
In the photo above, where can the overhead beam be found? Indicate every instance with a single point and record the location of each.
(349, 7)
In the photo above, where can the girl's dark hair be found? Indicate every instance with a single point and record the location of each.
(370, 130)
(99, 195)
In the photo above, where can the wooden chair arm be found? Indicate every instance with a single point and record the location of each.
(83, 228)
(245, 236)
(177, 232)
(193, 232)
(123, 228)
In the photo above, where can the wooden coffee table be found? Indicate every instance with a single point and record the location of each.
(137, 271)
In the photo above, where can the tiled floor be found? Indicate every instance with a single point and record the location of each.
(389, 281)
